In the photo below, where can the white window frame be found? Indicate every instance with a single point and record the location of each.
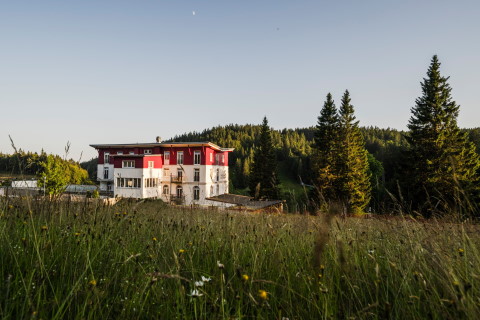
(106, 172)
(179, 191)
(130, 183)
(196, 193)
(106, 157)
(128, 164)
(119, 152)
(196, 174)
(180, 157)
(166, 190)
(197, 157)
(151, 164)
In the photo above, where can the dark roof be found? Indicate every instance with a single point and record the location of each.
(244, 201)
(161, 144)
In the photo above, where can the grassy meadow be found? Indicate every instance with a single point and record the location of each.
(66, 260)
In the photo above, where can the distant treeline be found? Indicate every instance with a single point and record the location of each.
(30, 163)
(294, 150)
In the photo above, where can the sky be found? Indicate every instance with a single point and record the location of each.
(91, 72)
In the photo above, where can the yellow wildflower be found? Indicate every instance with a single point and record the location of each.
(154, 239)
(263, 294)
(44, 228)
(182, 251)
(93, 283)
(461, 251)
(245, 277)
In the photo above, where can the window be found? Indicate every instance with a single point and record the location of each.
(105, 173)
(180, 157)
(151, 182)
(218, 174)
(196, 193)
(106, 157)
(147, 151)
(131, 152)
(120, 152)
(218, 189)
(128, 182)
(196, 157)
(166, 155)
(151, 164)
(166, 172)
(180, 174)
(217, 158)
(211, 191)
(196, 175)
(128, 164)
(179, 191)
(165, 189)
(211, 157)
(223, 158)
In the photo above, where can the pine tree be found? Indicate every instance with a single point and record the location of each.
(444, 164)
(324, 155)
(263, 180)
(353, 172)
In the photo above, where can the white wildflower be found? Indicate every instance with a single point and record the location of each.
(195, 293)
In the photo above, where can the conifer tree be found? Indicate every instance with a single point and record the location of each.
(324, 156)
(353, 172)
(443, 161)
(263, 180)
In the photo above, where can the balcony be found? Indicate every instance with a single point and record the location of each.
(177, 179)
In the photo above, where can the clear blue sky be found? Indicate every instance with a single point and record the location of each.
(127, 71)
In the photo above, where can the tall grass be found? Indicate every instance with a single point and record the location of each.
(145, 260)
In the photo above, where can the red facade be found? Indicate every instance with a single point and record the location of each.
(208, 155)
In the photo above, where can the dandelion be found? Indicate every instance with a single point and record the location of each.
(182, 251)
(77, 234)
(154, 239)
(263, 294)
(461, 252)
(44, 228)
(195, 293)
(245, 277)
(92, 283)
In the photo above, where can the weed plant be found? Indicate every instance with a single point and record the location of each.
(66, 260)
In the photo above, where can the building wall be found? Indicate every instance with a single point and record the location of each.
(213, 173)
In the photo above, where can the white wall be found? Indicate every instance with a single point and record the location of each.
(24, 184)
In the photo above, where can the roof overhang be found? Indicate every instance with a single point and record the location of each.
(163, 144)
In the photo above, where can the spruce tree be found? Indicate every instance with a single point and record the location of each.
(263, 180)
(324, 155)
(353, 172)
(443, 161)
